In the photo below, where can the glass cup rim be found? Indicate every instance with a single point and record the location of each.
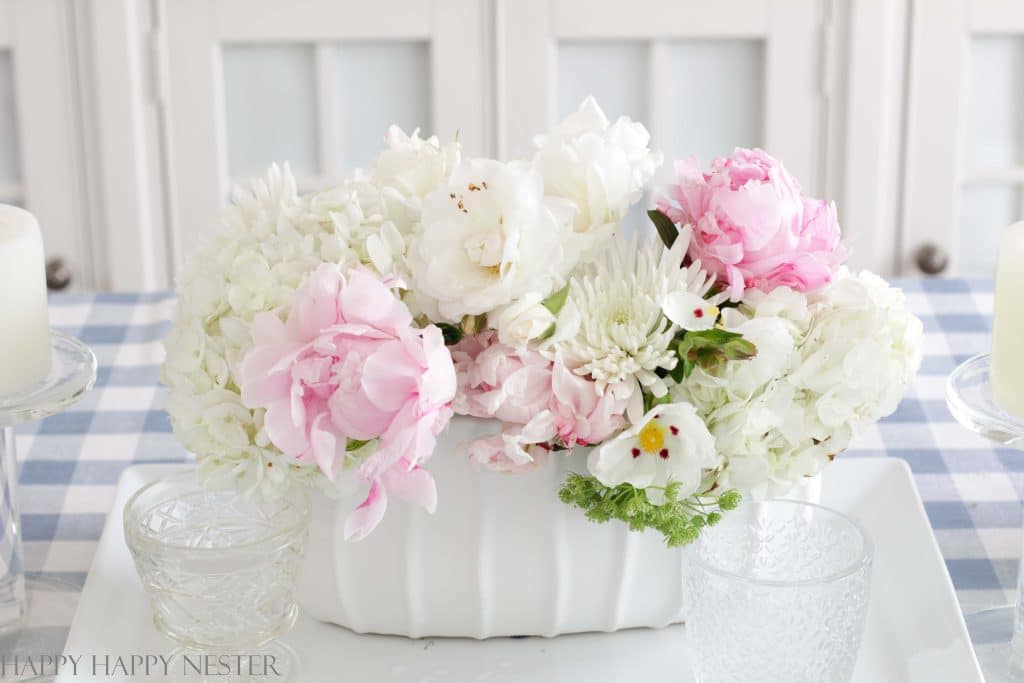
(273, 539)
(864, 557)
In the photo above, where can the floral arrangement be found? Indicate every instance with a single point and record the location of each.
(327, 339)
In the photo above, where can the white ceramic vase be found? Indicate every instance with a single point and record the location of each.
(501, 556)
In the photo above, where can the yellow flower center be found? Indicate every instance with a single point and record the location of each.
(713, 311)
(652, 437)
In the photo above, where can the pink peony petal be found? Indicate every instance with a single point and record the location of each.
(317, 308)
(282, 430)
(415, 485)
(358, 417)
(390, 376)
(328, 446)
(260, 390)
(365, 518)
(368, 301)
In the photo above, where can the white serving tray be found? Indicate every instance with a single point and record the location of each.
(915, 630)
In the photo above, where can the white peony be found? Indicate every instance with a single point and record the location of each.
(522, 321)
(414, 166)
(601, 168)
(488, 237)
(670, 443)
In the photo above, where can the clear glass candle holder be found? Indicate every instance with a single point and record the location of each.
(779, 592)
(220, 568)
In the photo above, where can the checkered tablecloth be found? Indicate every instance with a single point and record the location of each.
(71, 462)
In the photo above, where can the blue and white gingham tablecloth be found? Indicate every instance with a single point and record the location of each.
(71, 461)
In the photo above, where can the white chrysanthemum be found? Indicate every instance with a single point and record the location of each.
(268, 242)
(613, 327)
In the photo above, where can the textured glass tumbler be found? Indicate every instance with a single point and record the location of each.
(779, 594)
(220, 568)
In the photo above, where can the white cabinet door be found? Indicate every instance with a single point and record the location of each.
(312, 82)
(965, 134)
(704, 77)
(40, 158)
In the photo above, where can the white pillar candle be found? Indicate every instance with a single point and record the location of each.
(24, 325)
(1007, 373)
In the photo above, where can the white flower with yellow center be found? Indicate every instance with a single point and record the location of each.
(615, 328)
(670, 443)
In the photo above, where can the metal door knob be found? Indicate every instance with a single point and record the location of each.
(931, 259)
(58, 275)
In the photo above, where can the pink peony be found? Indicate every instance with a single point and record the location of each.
(348, 364)
(752, 227)
(582, 415)
(497, 381)
(541, 403)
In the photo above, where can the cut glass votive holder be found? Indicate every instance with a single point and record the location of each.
(779, 592)
(220, 567)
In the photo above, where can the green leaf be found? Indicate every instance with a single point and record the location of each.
(710, 350)
(355, 444)
(666, 228)
(556, 301)
(452, 333)
(739, 349)
(681, 371)
(715, 335)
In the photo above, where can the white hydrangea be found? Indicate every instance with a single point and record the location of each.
(829, 364)
(861, 350)
(268, 242)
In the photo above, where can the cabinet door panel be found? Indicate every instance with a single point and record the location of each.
(965, 144)
(315, 83)
(270, 107)
(703, 77)
(377, 84)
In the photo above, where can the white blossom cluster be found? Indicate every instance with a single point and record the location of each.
(527, 250)
(829, 363)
